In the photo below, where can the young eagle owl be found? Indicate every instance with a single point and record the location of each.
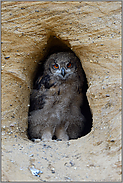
(55, 103)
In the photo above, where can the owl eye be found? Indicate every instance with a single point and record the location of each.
(55, 66)
(69, 65)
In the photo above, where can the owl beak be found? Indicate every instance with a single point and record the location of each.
(63, 71)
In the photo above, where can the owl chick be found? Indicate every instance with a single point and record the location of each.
(55, 103)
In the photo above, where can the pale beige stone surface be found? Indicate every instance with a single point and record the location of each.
(93, 31)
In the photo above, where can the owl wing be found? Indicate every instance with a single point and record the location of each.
(44, 82)
(37, 100)
(39, 93)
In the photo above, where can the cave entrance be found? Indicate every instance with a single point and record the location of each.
(55, 45)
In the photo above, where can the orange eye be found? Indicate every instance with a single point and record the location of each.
(56, 66)
(69, 65)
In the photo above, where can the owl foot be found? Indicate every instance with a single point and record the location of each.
(36, 140)
(47, 135)
(61, 134)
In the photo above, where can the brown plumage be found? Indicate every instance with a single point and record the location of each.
(55, 103)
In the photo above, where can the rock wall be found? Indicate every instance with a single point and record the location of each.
(93, 31)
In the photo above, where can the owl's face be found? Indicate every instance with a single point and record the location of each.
(62, 65)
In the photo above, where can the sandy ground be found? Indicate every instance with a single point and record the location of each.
(84, 159)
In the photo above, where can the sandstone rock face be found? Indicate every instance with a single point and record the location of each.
(93, 31)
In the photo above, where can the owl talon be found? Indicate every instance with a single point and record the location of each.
(61, 134)
(47, 136)
(59, 139)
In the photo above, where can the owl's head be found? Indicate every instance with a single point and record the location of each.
(62, 65)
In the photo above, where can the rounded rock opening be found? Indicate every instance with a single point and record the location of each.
(56, 45)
